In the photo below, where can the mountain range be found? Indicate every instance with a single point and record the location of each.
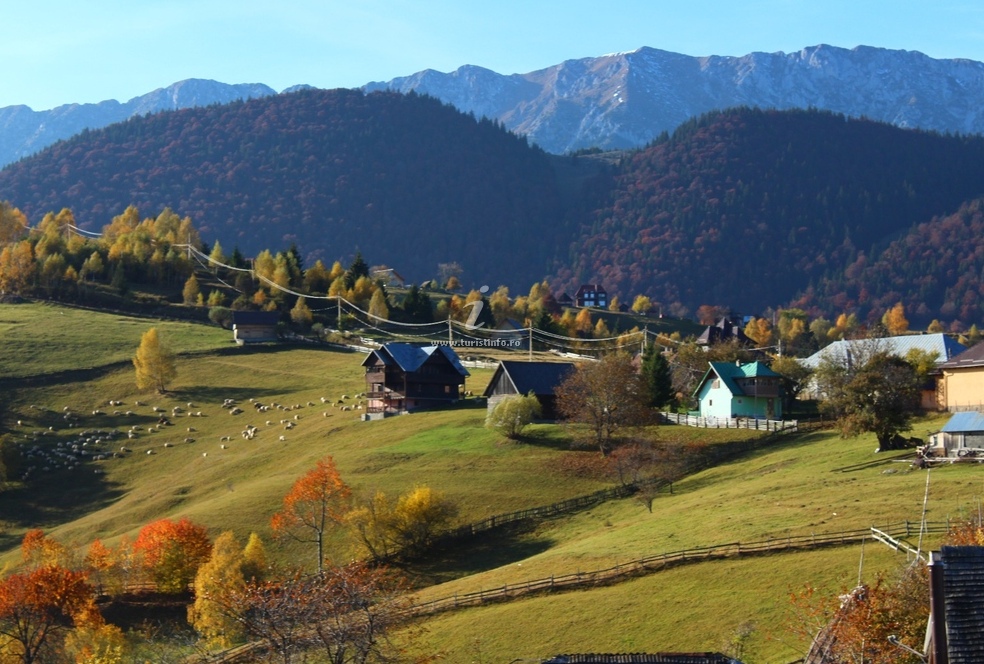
(623, 100)
(745, 208)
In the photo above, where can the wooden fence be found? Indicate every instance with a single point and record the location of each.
(662, 561)
(648, 565)
(786, 426)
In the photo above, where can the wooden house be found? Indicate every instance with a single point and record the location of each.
(254, 326)
(539, 378)
(960, 384)
(591, 295)
(402, 377)
(730, 390)
(725, 329)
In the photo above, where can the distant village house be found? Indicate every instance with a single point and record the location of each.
(402, 378)
(591, 295)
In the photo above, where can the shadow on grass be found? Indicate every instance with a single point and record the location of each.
(551, 436)
(211, 395)
(54, 498)
(491, 550)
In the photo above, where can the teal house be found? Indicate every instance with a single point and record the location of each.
(730, 390)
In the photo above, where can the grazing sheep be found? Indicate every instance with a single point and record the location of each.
(192, 429)
(224, 439)
(168, 445)
(189, 440)
(204, 454)
(236, 411)
(150, 451)
(297, 417)
(224, 447)
(283, 439)
(139, 403)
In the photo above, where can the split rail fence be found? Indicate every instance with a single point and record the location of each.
(661, 561)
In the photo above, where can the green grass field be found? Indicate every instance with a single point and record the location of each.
(796, 486)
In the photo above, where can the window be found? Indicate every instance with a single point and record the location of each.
(716, 384)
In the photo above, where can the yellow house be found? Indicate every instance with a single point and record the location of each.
(960, 385)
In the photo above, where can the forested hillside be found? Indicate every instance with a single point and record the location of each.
(936, 271)
(747, 208)
(404, 178)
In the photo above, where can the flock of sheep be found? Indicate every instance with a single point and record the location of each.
(98, 444)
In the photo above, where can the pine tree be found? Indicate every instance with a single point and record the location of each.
(656, 377)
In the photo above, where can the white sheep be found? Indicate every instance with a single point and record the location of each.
(283, 439)
(224, 447)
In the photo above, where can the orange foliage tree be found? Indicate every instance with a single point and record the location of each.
(172, 551)
(36, 606)
(317, 501)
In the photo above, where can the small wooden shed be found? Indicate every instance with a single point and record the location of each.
(254, 326)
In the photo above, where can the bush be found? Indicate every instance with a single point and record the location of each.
(511, 415)
(221, 316)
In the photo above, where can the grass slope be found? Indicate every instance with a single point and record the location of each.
(797, 485)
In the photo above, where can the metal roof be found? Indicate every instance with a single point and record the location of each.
(972, 357)
(410, 357)
(846, 350)
(540, 378)
(255, 317)
(729, 371)
(964, 422)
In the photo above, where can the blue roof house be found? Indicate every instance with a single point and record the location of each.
(732, 390)
(962, 435)
(402, 377)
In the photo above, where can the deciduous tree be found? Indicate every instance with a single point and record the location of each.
(895, 321)
(216, 583)
(605, 396)
(154, 362)
(38, 606)
(877, 394)
(316, 502)
(172, 551)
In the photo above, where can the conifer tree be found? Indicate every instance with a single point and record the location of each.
(154, 362)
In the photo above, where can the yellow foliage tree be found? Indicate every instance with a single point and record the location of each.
(895, 321)
(255, 562)
(642, 304)
(13, 223)
(154, 363)
(582, 322)
(191, 290)
(378, 306)
(98, 644)
(217, 581)
(301, 313)
(759, 330)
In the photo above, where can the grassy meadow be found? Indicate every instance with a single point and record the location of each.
(53, 358)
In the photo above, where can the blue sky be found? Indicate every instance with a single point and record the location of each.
(59, 51)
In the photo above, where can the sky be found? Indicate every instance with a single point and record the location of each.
(65, 51)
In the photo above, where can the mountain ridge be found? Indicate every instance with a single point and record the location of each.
(619, 100)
